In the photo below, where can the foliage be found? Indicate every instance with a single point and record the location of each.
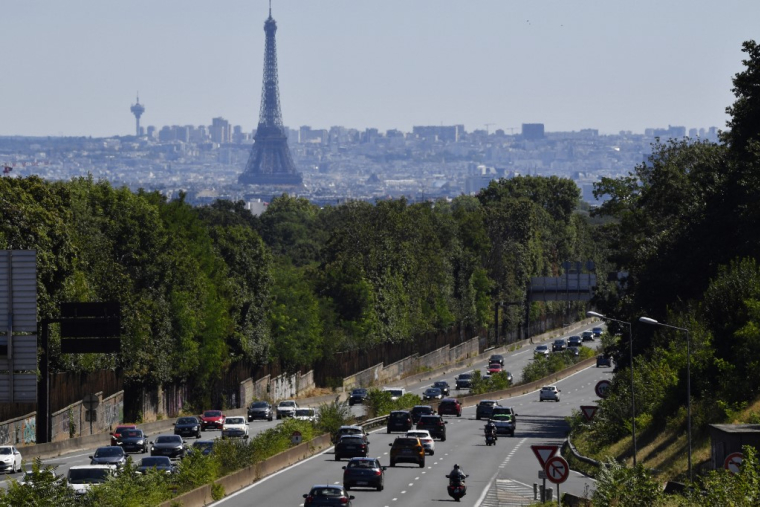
(379, 402)
(496, 382)
(721, 487)
(543, 366)
(333, 415)
(620, 486)
(44, 488)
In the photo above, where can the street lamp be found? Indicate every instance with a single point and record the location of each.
(633, 398)
(647, 320)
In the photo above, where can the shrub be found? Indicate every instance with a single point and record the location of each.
(620, 486)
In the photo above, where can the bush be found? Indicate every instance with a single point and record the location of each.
(721, 487)
(331, 416)
(380, 403)
(495, 382)
(620, 486)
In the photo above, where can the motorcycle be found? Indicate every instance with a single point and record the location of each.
(490, 439)
(457, 488)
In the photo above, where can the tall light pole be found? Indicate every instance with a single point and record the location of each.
(633, 398)
(647, 320)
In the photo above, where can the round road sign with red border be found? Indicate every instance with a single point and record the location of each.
(557, 470)
(602, 388)
(733, 462)
(296, 437)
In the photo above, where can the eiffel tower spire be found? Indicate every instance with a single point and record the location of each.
(270, 162)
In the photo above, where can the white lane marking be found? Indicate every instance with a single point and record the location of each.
(67, 457)
(403, 492)
(485, 490)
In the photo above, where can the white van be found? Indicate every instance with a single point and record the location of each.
(396, 392)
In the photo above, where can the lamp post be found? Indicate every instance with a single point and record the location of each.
(647, 320)
(633, 398)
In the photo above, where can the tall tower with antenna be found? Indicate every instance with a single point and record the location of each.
(137, 110)
(270, 162)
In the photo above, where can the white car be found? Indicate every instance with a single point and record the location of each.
(10, 459)
(427, 441)
(541, 350)
(235, 426)
(82, 477)
(305, 414)
(286, 408)
(550, 393)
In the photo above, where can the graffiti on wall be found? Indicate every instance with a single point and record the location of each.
(113, 413)
(29, 430)
(5, 435)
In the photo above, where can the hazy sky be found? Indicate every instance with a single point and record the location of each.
(73, 67)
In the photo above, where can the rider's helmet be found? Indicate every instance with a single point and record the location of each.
(456, 467)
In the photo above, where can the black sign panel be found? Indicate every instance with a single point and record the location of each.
(90, 346)
(103, 309)
(90, 328)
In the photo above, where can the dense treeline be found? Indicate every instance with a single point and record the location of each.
(687, 231)
(204, 287)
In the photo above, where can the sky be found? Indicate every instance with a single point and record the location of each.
(74, 68)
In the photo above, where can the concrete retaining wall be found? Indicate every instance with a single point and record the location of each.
(435, 359)
(399, 368)
(364, 378)
(243, 478)
(71, 421)
(465, 350)
(19, 431)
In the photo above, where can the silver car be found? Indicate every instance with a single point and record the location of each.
(550, 393)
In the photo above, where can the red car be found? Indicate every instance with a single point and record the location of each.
(116, 435)
(494, 368)
(212, 420)
(450, 406)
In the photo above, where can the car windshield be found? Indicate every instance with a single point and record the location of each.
(287, 403)
(440, 384)
(107, 452)
(260, 404)
(5, 450)
(359, 391)
(434, 390)
(308, 412)
(169, 439)
(154, 462)
(541, 347)
(187, 420)
(212, 413)
(88, 475)
(395, 392)
(131, 433)
(235, 420)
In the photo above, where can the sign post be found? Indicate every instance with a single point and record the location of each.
(91, 403)
(733, 462)
(543, 454)
(557, 471)
(602, 388)
(589, 411)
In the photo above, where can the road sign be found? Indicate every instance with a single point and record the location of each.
(589, 411)
(602, 388)
(90, 401)
(296, 437)
(557, 470)
(733, 462)
(544, 452)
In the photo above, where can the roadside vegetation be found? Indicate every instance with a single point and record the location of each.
(543, 366)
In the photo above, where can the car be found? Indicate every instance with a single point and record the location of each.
(573, 351)
(505, 420)
(158, 463)
(352, 446)
(597, 332)
(188, 427)
(432, 393)
(463, 381)
(603, 361)
(427, 441)
(81, 478)
(133, 441)
(496, 358)
(396, 392)
(400, 420)
(305, 414)
(327, 494)
(44, 478)
(494, 368)
(111, 455)
(364, 472)
(235, 427)
(116, 434)
(484, 409)
(434, 424)
(550, 393)
(510, 378)
(212, 420)
(205, 447)
(541, 350)
(574, 341)
(286, 408)
(587, 336)
(168, 445)
(420, 410)
(348, 430)
(450, 406)
(559, 345)
(10, 459)
(260, 410)
(443, 386)
(407, 450)
(358, 395)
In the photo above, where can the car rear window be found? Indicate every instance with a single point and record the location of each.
(465, 376)
(406, 441)
(399, 415)
(429, 419)
(502, 410)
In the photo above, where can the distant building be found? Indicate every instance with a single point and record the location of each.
(439, 133)
(220, 131)
(533, 131)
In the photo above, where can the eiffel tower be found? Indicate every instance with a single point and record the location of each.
(270, 162)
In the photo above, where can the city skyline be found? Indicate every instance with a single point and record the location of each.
(387, 65)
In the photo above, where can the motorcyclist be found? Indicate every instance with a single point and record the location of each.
(456, 475)
(490, 429)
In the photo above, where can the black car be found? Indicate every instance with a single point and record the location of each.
(365, 473)
(168, 445)
(358, 395)
(485, 409)
(420, 410)
(432, 393)
(399, 420)
(351, 446)
(159, 463)
(602, 360)
(133, 441)
(464, 381)
(109, 455)
(188, 427)
(260, 410)
(587, 336)
(443, 386)
(496, 358)
(327, 494)
(559, 345)
(597, 332)
(434, 424)
(574, 341)
(203, 446)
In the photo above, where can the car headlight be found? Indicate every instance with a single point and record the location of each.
(195, 428)
(141, 442)
(152, 448)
